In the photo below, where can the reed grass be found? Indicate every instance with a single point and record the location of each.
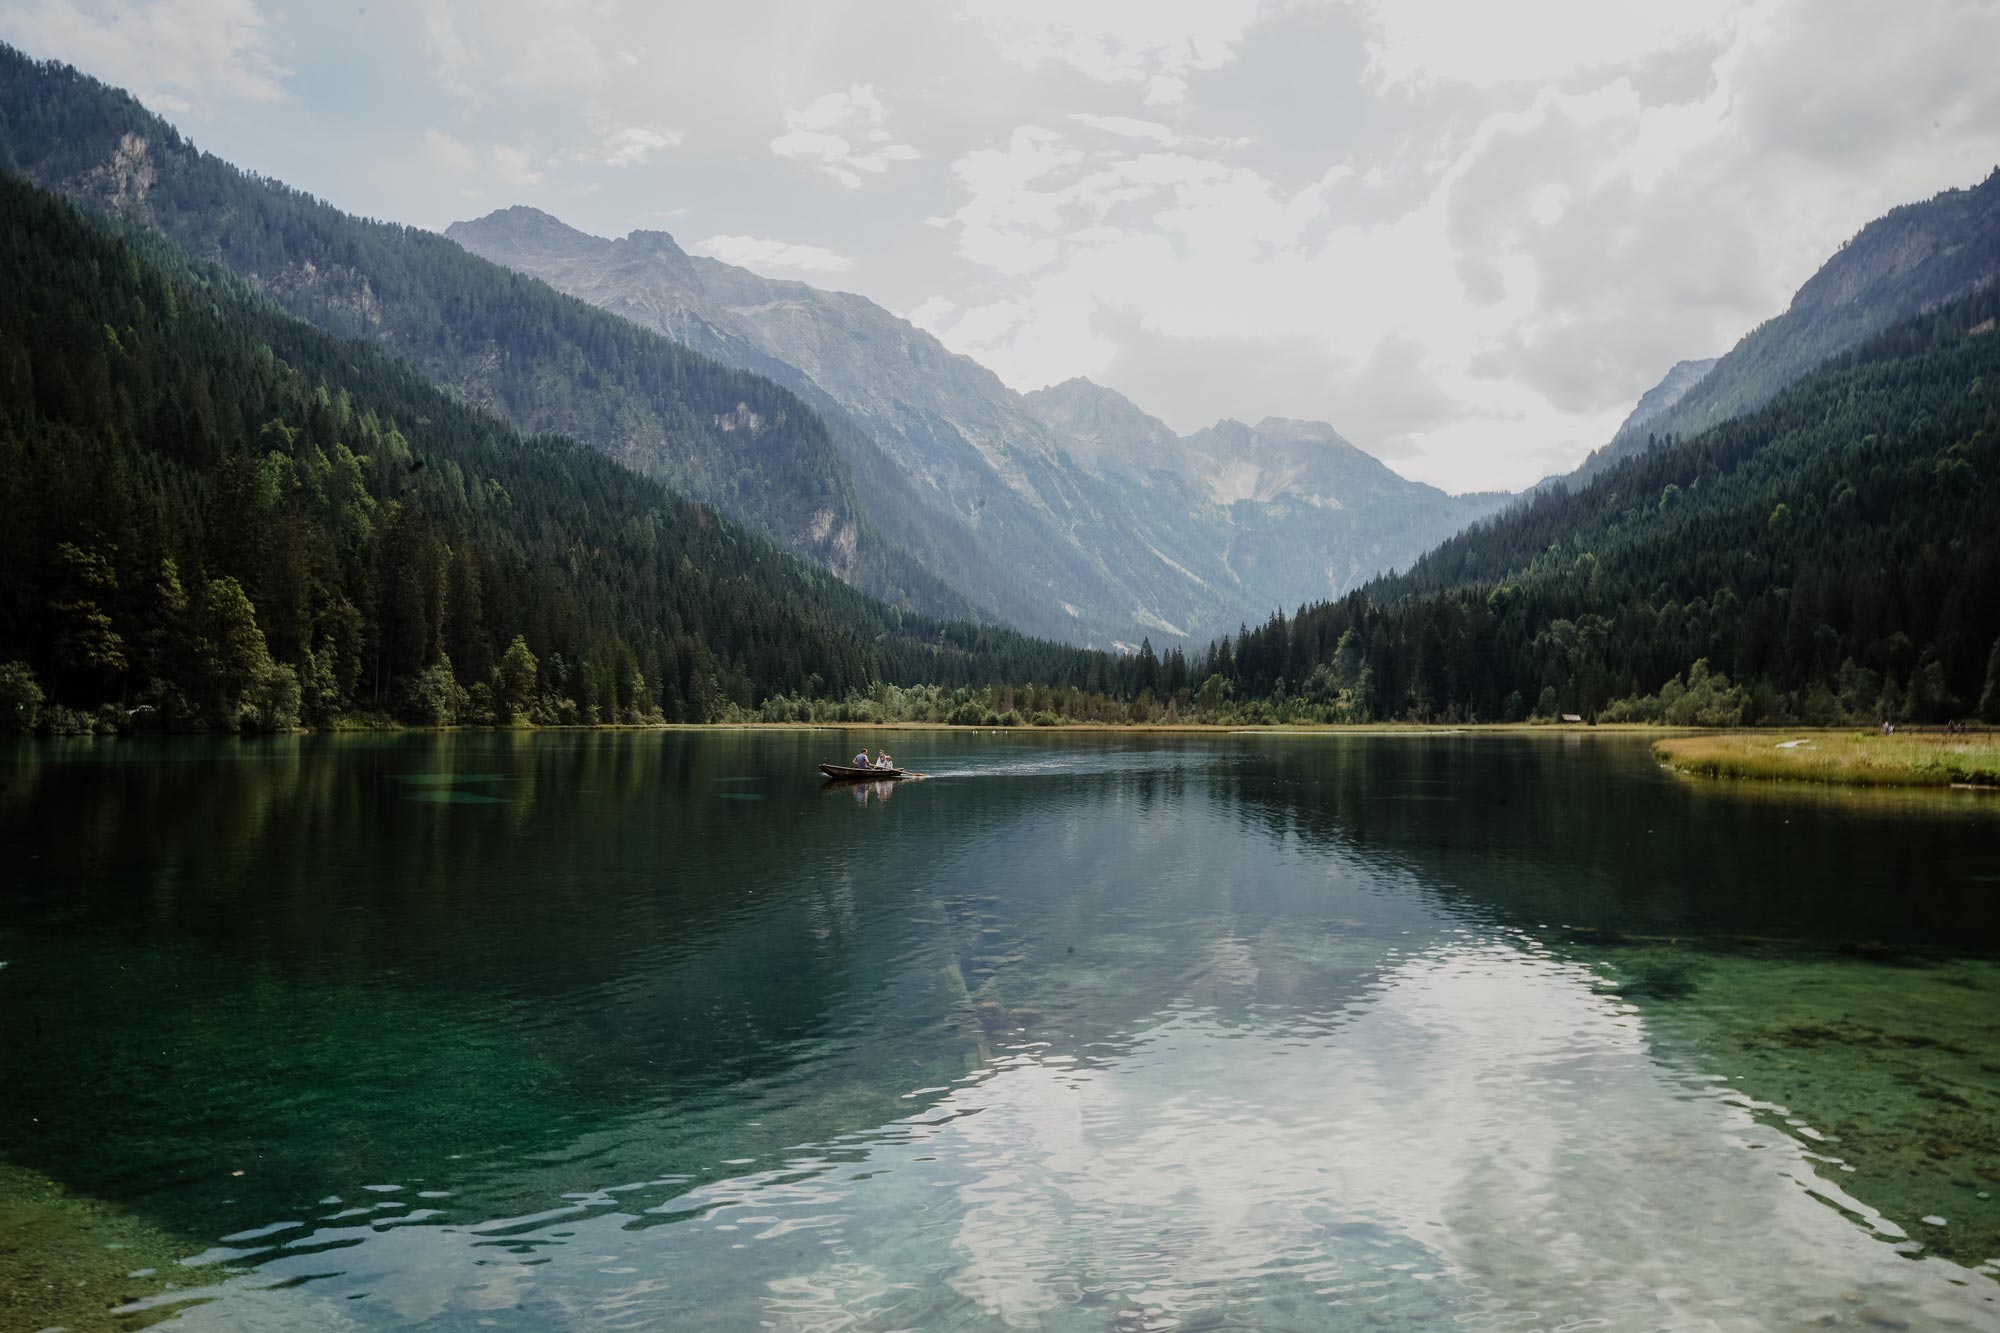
(1862, 759)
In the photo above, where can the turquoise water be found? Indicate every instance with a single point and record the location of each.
(648, 1030)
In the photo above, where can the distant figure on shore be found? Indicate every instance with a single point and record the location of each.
(1888, 727)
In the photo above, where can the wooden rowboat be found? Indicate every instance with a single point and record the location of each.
(841, 773)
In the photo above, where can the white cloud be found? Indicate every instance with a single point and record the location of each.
(1006, 223)
(1559, 257)
(1468, 235)
(564, 58)
(760, 253)
(630, 146)
(1152, 44)
(515, 167)
(995, 326)
(173, 55)
(1042, 196)
(1128, 127)
(819, 133)
(930, 314)
(450, 153)
(835, 110)
(452, 58)
(1488, 44)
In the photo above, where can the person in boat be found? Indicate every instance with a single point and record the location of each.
(861, 761)
(882, 759)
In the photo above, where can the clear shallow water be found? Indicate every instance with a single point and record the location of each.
(648, 1030)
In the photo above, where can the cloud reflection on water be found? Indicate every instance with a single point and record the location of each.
(1481, 1141)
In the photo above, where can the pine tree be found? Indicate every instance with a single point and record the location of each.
(515, 688)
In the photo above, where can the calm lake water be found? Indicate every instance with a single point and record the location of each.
(610, 1031)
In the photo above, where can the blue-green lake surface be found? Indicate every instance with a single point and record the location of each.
(581, 1031)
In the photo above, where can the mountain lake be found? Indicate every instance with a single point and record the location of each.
(1107, 1031)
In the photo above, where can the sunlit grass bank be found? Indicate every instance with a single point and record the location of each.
(69, 1261)
(1858, 758)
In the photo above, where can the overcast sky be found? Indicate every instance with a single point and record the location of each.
(1467, 234)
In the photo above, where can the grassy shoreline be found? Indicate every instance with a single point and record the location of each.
(1846, 758)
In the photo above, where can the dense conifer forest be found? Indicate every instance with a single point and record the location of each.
(214, 515)
(490, 337)
(1832, 557)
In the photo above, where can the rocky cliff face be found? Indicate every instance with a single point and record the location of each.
(1090, 518)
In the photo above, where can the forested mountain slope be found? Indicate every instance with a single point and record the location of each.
(1836, 553)
(213, 509)
(1911, 260)
(493, 338)
(1101, 561)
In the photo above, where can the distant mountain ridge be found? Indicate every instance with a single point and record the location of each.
(1096, 507)
(1307, 508)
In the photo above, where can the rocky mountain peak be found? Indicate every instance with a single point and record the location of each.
(1080, 390)
(522, 233)
(1109, 429)
(1286, 457)
(1293, 429)
(520, 221)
